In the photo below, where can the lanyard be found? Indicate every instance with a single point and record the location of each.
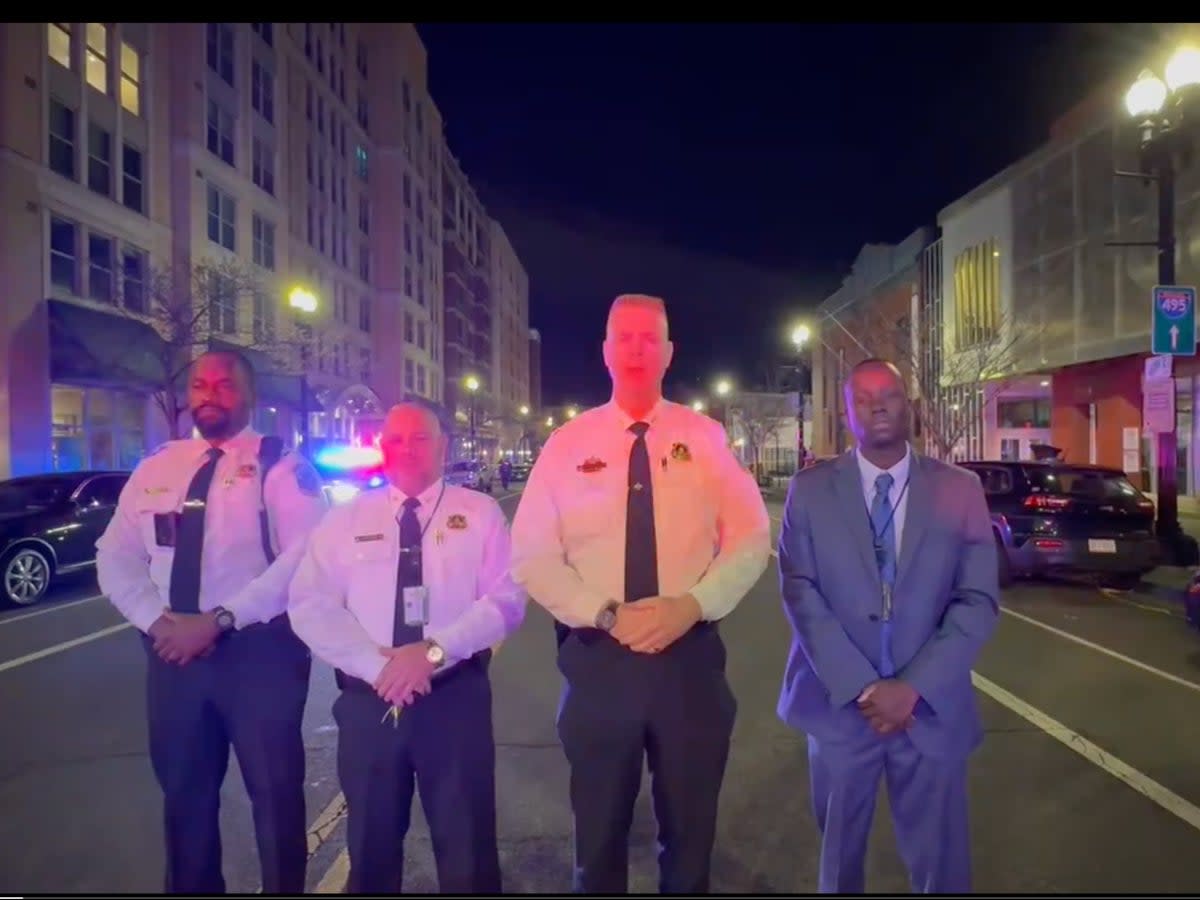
(877, 544)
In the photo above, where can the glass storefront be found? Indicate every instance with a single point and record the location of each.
(96, 428)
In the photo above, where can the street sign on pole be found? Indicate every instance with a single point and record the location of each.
(1173, 329)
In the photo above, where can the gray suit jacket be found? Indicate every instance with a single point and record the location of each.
(945, 602)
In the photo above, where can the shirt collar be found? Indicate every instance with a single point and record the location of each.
(869, 471)
(244, 441)
(626, 420)
(428, 498)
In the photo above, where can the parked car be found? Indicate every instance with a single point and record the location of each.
(1061, 518)
(472, 474)
(49, 525)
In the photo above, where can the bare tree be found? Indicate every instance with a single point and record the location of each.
(759, 417)
(190, 307)
(950, 389)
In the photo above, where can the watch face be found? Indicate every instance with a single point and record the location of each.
(607, 619)
(224, 620)
(435, 654)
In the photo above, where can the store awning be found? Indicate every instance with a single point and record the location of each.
(89, 345)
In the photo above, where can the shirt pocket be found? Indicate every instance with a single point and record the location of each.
(372, 568)
(593, 503)
(146, 508)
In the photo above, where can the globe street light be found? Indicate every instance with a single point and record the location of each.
(303, 301)
(471, 383)
(723, 387)
(698, 405)
(572, 412)
(801, 334)
(1164, 114)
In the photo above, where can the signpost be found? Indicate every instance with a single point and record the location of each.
(1173, 329)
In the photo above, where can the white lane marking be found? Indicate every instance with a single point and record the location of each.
(1097, 756)
(334, 880)
(59, 648)
(49, 609)
(1092, 645)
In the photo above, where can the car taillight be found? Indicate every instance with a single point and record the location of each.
(1046, 503)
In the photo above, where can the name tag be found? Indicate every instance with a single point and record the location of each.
(367, 538)
(416, 605)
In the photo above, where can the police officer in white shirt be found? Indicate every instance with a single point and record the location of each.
(404, 591)
(639, 531)
(198, 556)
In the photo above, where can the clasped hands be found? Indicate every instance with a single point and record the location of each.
(182, 637)
(406, 675)
(888, 705)
(655, 623)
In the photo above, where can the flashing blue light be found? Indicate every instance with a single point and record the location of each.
(347, 456)
(376, 481)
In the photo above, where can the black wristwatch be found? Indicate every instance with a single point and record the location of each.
(224, 619)
(607, 617)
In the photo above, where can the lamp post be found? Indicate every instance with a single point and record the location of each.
(572, 412)
(1164, 113)
(471, 383)
(800, 338)
(303, 301)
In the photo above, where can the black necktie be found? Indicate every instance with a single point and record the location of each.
(641, 548)
(189, 539)
(408, 574)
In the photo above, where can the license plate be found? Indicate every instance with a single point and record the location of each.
(1102, 546)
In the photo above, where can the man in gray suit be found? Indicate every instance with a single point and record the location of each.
(888, 572)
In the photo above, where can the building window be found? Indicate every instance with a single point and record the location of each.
(96, 428)
(364, 312)
(364, 262)
(133, 185)
(263, 165)
(97, 56)
(262, 91)
(59, 43)
(100, 268)
(420, 379)
(222, 216)
(99, 160)
(220, 131)
(364, 215)
(360, 161)
(131, 79)
(421, 335)
(62, 139)
(1032, 412)
(220, 50)
(64, 255)
(409, 379)
(263, 234)
(133, 279)
(222, 305)
(264, 30)
(977, 295)
(264, 318)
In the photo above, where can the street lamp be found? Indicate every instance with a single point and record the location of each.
(801, 334)
(471, 383)
(304, 301)
(572, 412)
(723, 387)
(698, 405)
(1164, 113)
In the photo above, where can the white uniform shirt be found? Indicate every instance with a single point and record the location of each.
(710, 521)
(343, 598)
(135, 572)
(897, 495)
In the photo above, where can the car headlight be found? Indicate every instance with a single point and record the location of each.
(341, 492)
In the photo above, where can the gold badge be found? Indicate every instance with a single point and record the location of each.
(591, 464)
(681, 453)
(249, 470)
(457, 522)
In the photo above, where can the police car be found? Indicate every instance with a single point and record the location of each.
(347, 469)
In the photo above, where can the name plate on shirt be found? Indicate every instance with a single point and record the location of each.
(416, 605)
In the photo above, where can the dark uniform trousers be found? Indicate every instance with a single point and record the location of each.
(444, 743)
(675, 710)
(250, 692)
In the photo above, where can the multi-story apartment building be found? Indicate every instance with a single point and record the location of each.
(510, 324)
(303, 156)
(535, 369)
(467, 299)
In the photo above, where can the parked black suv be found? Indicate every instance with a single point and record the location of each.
(49, 525)
(1058, 518)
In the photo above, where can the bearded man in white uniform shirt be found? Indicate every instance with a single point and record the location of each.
(404, 591)
(639, 531)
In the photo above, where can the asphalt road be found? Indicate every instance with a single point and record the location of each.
(1088, 781)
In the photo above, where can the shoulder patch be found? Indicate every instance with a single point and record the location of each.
(307, 479)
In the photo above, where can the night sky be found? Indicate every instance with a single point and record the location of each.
(736, 170)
